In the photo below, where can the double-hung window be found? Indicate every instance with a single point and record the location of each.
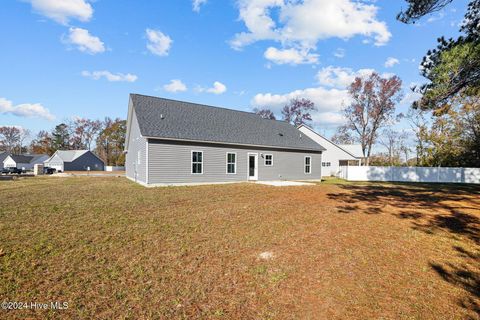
(197, 162)
(231, 163)
(269, 160)
(308, 165)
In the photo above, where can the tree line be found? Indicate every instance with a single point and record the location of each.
(104, 137)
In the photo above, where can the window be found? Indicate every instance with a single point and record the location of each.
(197, 162)
(269, 160)
(231, 163)
(326, 164)
(308, 165)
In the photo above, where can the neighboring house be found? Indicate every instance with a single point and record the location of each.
(24, 161)
(74, 160)
(3, 156)
(173, 142)
(336, 155)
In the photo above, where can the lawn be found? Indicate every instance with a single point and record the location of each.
(112, 249)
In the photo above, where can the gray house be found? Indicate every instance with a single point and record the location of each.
(74, 160)
(171, 142)
(24, 161)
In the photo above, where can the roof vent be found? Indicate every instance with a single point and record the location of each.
(162, 116)
(280, 134)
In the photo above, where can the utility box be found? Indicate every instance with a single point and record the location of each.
(38, 169)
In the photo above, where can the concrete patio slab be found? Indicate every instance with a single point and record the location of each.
(280, 183)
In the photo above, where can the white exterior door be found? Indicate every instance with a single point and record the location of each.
(252, 169)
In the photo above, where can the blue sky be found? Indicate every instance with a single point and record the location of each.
(62, 59)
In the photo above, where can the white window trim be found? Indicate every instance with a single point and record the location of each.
(235, 163)
(265, 160)
(305, 165)
(191, 162)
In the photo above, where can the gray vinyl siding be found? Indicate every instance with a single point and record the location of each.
(86, 160)
(136, 145)
(170, 162)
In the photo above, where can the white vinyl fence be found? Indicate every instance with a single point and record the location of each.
(411, 174)
(113, 168)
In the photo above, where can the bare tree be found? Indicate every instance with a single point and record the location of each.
(25, 134)
(265, 113)
(419, 126)
(373, 105)
(297, 112)
(83, 132)
(343, 136)
(395, 143)
(43, 143)
(10, 138)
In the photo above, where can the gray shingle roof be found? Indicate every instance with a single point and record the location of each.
(20, 158)
(26, 158)
(354, 149)
(164, 118)
(70, 155)
(3, 156)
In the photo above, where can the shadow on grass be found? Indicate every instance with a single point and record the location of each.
(444, 214)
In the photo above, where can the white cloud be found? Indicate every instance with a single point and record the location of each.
(174, 86)
(218, 88)
(439, 16)
(62, 11)
(196, 4)
(28, 110)
(340, 77)
(117, 77)
(411, 96)
(290, 56)
(158, 43)
(391, 61)
(84, 41)
(329, 103)
(304, 23)
(339, 53)
(326, 100)
(328, 119)
(329, 97)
